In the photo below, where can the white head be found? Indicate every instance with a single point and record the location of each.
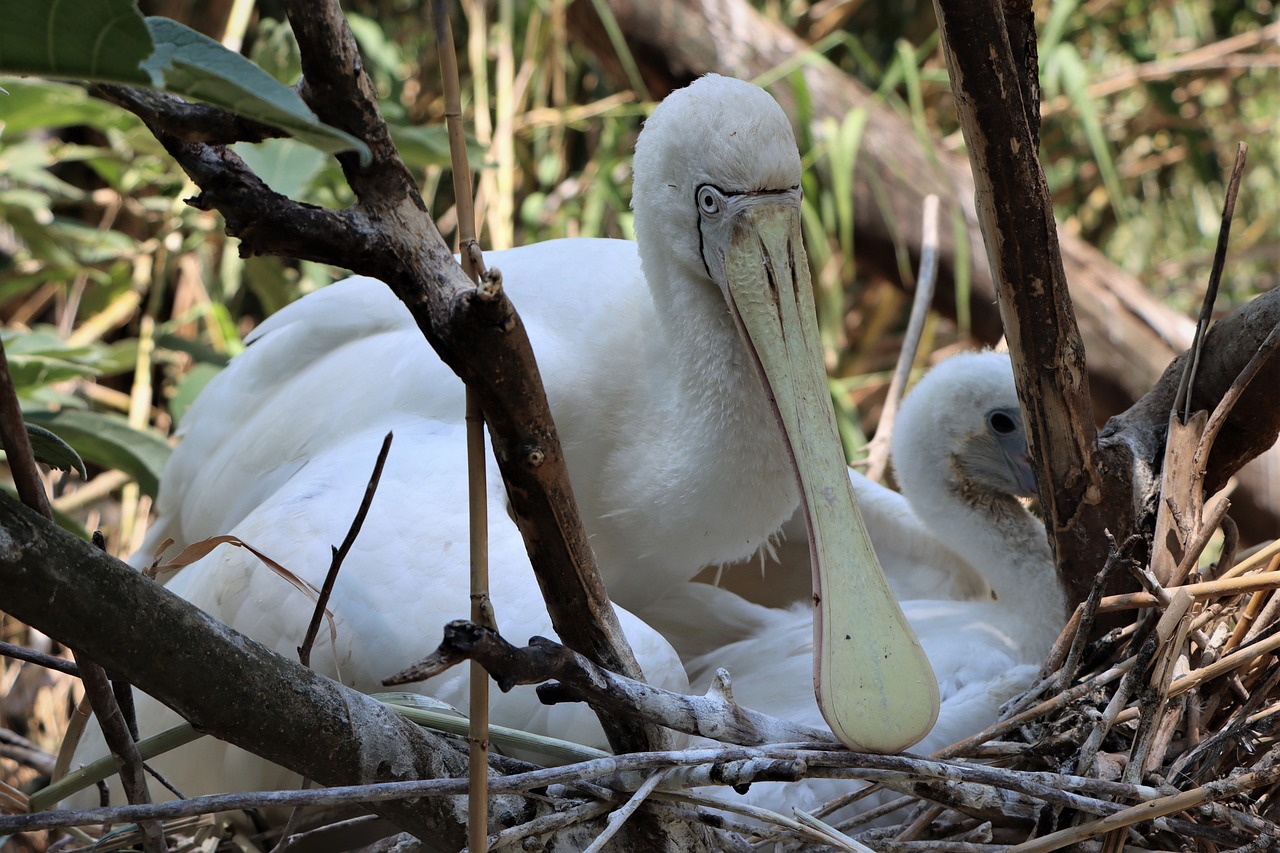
(960, 435)
(719, 132)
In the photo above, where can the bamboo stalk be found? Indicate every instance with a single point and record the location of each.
(477, 490)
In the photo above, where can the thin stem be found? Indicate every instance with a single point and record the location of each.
(340, 553)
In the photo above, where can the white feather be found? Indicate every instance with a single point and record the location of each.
(983, 652)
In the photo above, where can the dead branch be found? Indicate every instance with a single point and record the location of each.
(576, 679)
(189, 121)
(340, 553)
(65, 587)
(1015, 213)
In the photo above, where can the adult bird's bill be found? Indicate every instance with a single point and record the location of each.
(874, 684)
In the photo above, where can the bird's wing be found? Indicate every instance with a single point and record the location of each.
(315, 373)
(697, 618)
(406, 576)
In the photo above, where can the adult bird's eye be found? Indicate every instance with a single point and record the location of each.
(1002, 423)
(708, 201)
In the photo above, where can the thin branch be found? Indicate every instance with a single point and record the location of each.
(477, 493)
(22, 653)
(1183, 399)
(619, 817)
(189, 121)
(878, 450)
(115, 730)
(578, 679)
(17, 444)
(340, 553)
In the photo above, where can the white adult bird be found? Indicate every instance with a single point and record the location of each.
(968, 461)
(668, 387)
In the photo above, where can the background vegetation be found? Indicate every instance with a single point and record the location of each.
(120, 301)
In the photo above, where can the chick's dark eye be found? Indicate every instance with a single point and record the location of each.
(1002, 423)
(708, 201)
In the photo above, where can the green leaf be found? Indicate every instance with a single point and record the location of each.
(110, 41)
(109, 441)
(286, 165)
(54, 452)
(195, 65)
(41, 105)
(32, 371)
(104, 40)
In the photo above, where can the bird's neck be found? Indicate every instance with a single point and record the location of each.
(731, 437)
(1005, 543)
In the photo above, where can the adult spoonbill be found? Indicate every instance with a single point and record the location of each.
(967, 462)
(685, 376)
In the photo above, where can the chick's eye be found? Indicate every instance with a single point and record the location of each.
(1002, 423)
(708, 201)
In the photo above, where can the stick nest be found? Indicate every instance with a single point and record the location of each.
(1159, 735)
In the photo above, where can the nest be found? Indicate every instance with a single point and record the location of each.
(1159, 735)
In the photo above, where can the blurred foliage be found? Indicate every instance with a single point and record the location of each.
(1143, 104)
(121, 301)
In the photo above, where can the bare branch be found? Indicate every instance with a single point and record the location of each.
(715, 715)
(340, 553)
(185, 120)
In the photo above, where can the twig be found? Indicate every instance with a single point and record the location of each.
(548, 823)
(1220, 412)
(477, 493)
(619, 817)
(22, 653)
(121, 690)
(768, 816)
(878, 449)
(1230, 732)
(340, 554)
(1183, 399)
(1236, 784)
(116, 733)
(17, 444)
(1171, 633)
(322, 603)
(715, 715)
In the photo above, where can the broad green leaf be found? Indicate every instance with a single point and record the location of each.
(104, 40)
(54, 452)
(109, 441)
(41, 105)
(195, 65)
(428, 145)
(286, 165)
(32, 371)
(110, 41)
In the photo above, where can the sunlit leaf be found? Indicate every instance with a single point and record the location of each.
(109, 41)
(51, 450)
(109, 441)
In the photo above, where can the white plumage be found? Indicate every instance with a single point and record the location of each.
(658, 392)
(960, 456)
